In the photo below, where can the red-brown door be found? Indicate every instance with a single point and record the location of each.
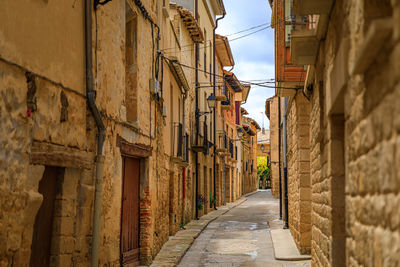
(42, 233)
(130, 213)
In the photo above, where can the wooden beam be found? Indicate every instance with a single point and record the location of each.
(61, 156)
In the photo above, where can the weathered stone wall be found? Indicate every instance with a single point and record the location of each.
(45, 122)
(292, 170)
(274, 147)
(354, 155)
(299, 190)
(43, 118)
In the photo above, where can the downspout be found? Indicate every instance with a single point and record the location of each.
(285, 178)
(214, 117)
(91, 100)
(196, 113)
(279, 158)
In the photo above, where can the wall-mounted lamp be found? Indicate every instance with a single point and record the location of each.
(262, 147)
(211, 102)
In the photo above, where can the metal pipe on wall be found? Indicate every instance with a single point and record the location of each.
(91, 100)
(279, 158)
(196, 77)
(285, 177)
(215, 113)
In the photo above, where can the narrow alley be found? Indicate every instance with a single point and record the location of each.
(240, 237)
(166, 133)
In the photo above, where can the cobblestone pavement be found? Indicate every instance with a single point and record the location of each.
(240, 237)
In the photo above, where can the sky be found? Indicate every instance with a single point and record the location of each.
(254, 54)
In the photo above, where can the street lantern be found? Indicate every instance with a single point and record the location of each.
(240, 133)
(262, 147)
(212, 101)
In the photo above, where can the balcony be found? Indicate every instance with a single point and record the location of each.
(304, 46)
(220, 94)
(222, 143)
(200, 143)
(231, 151)
(177, 143)
(311, 7)
(226, 105)
(185, 151)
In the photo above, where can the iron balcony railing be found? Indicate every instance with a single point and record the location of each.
(205, 137)
(221, 144)
(231, 147)
(200, 141)
(177, 137)
(186, 148)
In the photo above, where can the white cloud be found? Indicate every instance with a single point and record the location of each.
(254, 54)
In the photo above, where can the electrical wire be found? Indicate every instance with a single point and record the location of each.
(248, 29)
(221, 76)
(268, 25)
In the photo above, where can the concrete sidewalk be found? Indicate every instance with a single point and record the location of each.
(284, 246)
(175, 248)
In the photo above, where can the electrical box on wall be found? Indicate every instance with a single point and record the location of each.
(164, 111)
(154, 86)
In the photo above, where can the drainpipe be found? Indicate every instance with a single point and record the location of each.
(285, 178)
(91, 100)
(196, 77)
(279, 159)
(214, 117)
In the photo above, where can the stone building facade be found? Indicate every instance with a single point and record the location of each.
(63, 192)
(298, 171)
(350, 50)
(249, 146)
(272, 112)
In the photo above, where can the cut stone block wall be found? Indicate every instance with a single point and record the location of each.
(298, 157)
(366, 134)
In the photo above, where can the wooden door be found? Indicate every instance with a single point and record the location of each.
(130, 213)
(43, 227)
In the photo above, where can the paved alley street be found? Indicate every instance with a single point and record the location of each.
(241, 237)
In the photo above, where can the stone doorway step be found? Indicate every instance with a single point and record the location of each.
(175, 248)
(285, 247)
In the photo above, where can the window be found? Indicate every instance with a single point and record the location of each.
(130, 64)
(210, 46)
(205, 52)
(288, 14)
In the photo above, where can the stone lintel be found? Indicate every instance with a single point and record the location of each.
(133, 150)
(61, 156)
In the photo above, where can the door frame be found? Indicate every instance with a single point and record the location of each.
(142, 153)
(122, 200)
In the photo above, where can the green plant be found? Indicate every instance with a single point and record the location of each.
(263, 171)
(211, 199)
(201, 201)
